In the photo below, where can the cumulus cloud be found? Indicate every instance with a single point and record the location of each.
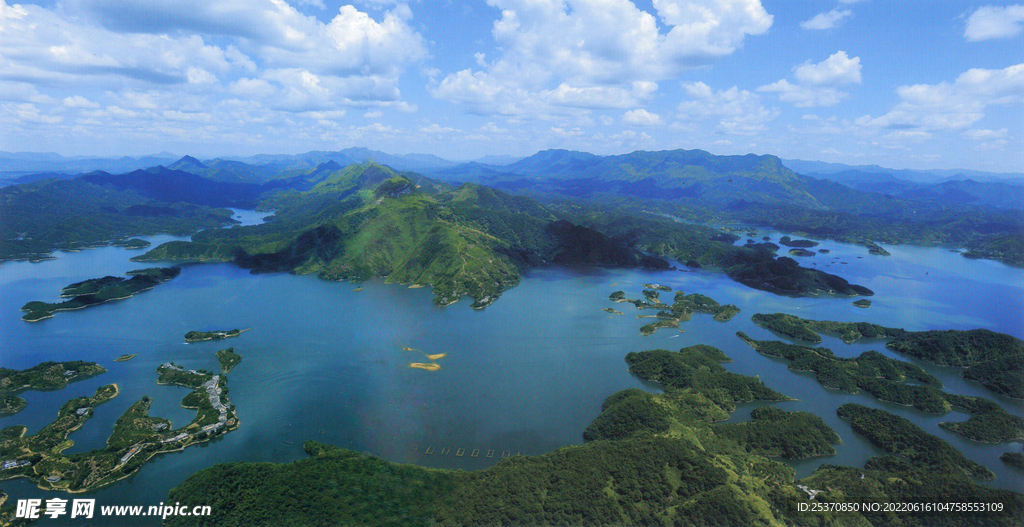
(259, 43)
(827, 20)
(200, 71)
(985, 134)
(952, 105)
(596, 53)
(990, 22)
(738, 112)
(78, 101)
(818, 84)
(641, 117)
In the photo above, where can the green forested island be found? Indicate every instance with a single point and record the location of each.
(1014, 459)
(100, 290)
(199, 336)
(808, 330)
(682, 308)
(44, 376)
(898, 382)
(899, 436)
(993, 359)
(228, 359)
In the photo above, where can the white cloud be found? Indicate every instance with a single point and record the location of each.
(990, 22)
(641, 117)
(827, 20)
(274, 31)
(159, 43)
(29, 113)
(78, 101)
(22, 92)
(952, 106)
(804, 96)
(984, 134)
(837, 69)
(319, 4)
(817, 84)
(596, 53)
(492, 128)
(738, 112)
(436, 129)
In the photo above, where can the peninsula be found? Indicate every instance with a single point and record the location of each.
(44, 377)
(136, 437)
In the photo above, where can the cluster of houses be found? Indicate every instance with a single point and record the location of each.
(213, 390)
(131, 453)
(14, 463)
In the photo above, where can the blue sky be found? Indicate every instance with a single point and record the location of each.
(914, 84)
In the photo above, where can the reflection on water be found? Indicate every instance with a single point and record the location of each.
(325, 362)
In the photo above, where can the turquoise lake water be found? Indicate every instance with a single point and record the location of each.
(526, 375)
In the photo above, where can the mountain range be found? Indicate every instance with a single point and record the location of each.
(472, 229)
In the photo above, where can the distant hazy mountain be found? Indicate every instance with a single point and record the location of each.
(498, 161)
(415, 162)
(1006, 194)
(822, 170)
(15, 164)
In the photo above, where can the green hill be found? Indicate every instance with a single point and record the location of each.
(53, 214)
(758, 190)
(366, 221)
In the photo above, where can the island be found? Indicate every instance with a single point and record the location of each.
(45, 376)
(429, 366)
(136, 437)
(681, 310)
(802, 252)
(862, 303)
(126, 357)
(898, 382)
(808, 330)
(899, 436)
(228, 359)
(1014, 459)
(789, 242)
(133, 243)
(97, 291)
(874, 248)
(199, 336)
(996, 360)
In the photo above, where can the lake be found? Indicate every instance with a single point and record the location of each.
(325, 362)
